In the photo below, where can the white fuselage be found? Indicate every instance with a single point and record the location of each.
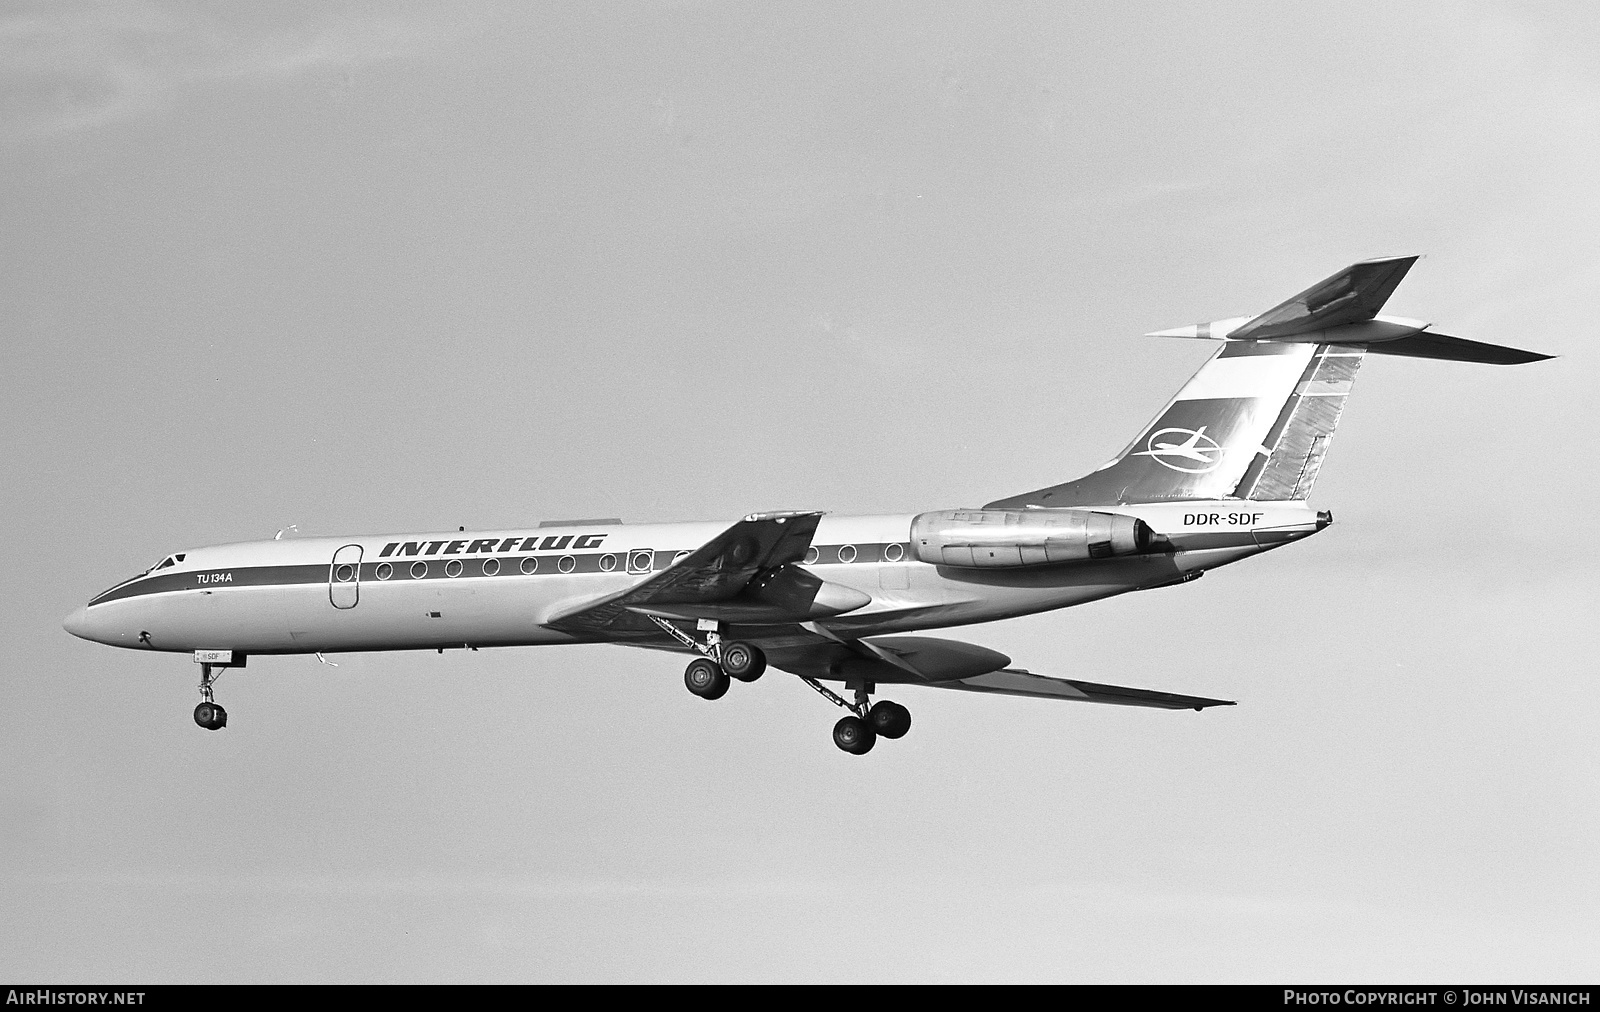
(500, 588)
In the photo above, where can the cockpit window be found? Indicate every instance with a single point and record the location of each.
(171, 560)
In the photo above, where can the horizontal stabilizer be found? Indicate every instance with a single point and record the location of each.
(1454, 349)
(1350, 296)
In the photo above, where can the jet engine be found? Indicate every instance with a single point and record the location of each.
(989, 539)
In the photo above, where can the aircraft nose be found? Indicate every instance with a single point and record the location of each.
(77, 623)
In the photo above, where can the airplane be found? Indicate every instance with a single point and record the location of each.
(830, 599)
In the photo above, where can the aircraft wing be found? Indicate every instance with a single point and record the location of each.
(1350, 296)
(715, 572)
(1020, 682)
(950, 664)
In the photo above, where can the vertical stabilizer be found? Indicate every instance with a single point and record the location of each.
(1204, 442)
(1256, 420)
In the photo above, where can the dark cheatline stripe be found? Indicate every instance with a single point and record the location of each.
(829, 554)
(223, 578)
(253, 576)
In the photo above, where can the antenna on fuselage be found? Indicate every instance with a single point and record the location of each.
(292, 527)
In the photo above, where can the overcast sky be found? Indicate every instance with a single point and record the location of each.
(363, 269)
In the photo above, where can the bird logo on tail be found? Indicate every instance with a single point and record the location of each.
(1197, 454)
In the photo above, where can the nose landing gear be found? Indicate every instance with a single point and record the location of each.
(209, 714)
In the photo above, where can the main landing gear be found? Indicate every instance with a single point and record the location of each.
(709, 679)
(868, 721)
(209, 714)
(708, 676)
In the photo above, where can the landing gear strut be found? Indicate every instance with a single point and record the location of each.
(209, 714)
(707, 675)
(868, 721)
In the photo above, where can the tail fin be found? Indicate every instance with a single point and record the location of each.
(1256, 420)
(1304, 427)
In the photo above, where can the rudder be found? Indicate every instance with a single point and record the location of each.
(1299, 438)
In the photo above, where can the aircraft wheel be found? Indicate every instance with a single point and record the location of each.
(743, 661)
(891, 720)
(705, 679)
(211, 716)
(854, 735)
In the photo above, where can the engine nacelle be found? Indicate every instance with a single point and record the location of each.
(996, 539)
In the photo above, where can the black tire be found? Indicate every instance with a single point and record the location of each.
(854, 735)
(703, 678)
(210, 716)
(743, 661)
(889, 720)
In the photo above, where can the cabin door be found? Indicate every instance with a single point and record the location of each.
(344, 577)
